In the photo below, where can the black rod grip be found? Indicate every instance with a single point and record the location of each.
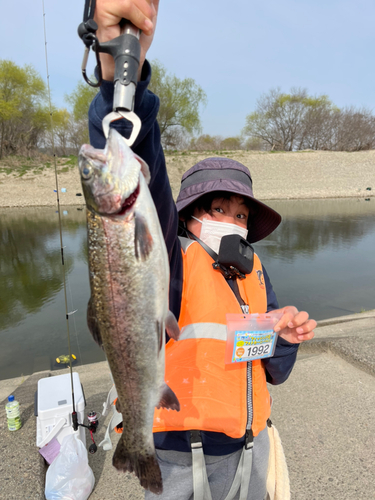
(126, 52)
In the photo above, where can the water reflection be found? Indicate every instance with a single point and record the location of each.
(310, 226)
(297, 236)
(30, 266)
(320, 259)
(32, 316)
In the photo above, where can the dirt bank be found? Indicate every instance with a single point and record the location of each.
(297, 175)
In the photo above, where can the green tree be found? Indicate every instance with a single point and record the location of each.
(232, 143)
(180, 101)
(288, 121)
(62, 124)
(80, 100)
(206, 142)
(22, 116)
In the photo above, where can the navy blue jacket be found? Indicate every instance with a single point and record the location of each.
(148, 147)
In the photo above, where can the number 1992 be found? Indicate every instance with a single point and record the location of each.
(258, 350)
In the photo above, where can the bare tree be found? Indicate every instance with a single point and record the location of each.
(231, 143)
(354, 130)
(278, 119)
(206, 142)
(298, 121)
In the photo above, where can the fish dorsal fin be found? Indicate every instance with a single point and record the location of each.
(144, 169)
(168, 399)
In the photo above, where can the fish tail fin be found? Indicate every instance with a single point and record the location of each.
(144, 465)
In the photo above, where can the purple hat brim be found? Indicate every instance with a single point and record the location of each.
(263, 223)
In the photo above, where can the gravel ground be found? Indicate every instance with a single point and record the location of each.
(277, 176)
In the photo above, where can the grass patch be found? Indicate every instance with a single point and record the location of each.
(22, 165)
(72, 161)
(6, 171)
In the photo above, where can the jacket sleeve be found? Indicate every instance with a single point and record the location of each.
(279, 367)
(148, 147)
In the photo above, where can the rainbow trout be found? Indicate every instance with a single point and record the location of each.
(128, 308)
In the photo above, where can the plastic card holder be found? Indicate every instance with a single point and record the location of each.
(250, 336)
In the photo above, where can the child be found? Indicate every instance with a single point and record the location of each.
(224, 408)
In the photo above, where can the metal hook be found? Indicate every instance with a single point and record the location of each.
(98, 63)
(128, 115)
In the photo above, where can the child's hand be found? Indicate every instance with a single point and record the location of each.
(295, 326)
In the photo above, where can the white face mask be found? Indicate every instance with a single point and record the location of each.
(212, 232)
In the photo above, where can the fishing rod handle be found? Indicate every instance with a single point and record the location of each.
(126, 52)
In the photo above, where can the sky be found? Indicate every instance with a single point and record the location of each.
(235, 50)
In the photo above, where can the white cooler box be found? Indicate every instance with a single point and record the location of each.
(53, 408)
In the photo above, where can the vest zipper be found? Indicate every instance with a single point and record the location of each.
(249, 395)
(249, 371)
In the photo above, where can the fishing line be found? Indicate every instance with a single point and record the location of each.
(74, 415)
(74, 321)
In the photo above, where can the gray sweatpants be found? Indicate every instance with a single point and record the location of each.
(177, 473)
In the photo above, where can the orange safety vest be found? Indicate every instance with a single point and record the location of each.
(213, 395)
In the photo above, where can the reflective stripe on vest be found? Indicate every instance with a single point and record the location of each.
(204, 331)
(212, 394)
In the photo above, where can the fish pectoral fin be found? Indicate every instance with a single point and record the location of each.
(143, 242)
(171, 326)
(168, 399)
(144, 169)
(92, 323)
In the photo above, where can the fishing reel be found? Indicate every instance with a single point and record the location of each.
(93, 425)
(93, 422)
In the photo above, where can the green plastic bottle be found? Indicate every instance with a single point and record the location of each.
(12, 409)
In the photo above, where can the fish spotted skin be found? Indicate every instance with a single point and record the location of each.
(129, 280)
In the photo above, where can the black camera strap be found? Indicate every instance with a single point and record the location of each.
(230, 279)
(209, 250)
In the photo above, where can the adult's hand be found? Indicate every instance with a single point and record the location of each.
(295, 326)
(108, 14)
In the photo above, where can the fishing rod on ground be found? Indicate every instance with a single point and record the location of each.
(92, 416)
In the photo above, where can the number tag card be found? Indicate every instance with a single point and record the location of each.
(253, 345)
(250, 336)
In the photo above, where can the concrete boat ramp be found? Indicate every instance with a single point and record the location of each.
(325, 414)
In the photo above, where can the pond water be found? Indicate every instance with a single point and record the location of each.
(320, 259)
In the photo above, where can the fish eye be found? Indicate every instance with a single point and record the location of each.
(87, 172)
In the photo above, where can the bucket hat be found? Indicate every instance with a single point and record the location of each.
(224, 174)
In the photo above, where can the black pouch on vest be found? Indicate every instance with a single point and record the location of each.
(236, 254)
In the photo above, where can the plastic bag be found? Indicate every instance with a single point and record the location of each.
(70, 476)
(278, 487)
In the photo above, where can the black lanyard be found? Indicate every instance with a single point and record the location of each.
(231, 280)
(89, 10)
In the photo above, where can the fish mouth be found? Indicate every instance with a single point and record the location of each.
(129, 202)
